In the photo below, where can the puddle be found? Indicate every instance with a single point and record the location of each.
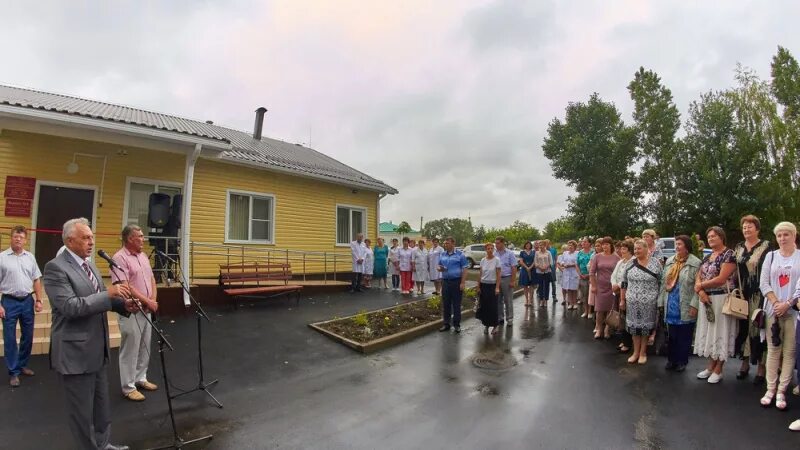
(487, 390)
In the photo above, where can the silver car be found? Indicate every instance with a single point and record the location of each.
(476, 252)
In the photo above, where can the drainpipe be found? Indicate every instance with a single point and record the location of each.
(188, 180)
(378, 216)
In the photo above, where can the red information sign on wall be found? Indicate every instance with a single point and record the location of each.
(16, 207)
(20, 187)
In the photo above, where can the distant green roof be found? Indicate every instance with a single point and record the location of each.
(389, 227)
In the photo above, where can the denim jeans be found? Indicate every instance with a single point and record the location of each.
(451, 302)
(396, 281)
(22, 311)
(543, 280)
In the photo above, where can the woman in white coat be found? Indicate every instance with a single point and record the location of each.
(420, 266)
(369, 263)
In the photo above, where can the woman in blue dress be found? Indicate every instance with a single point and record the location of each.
(381, 252)
(526, 270)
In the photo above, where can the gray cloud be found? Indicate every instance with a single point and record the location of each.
(449, 102)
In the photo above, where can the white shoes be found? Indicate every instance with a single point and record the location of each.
(796, 390)
(591, 316)
(584, 315)
(795, 426)
(715, 378)
(704, 374)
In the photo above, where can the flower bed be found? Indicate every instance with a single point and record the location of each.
(370, 331)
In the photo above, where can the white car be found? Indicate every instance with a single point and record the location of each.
(476, 252)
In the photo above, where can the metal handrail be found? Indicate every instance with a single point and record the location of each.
(311, 262)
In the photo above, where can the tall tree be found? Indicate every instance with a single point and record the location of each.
(404, 228)
(656, 124)
(460, 229)
(785, 86)
(560, 230)
(517, 233)
(593, 150)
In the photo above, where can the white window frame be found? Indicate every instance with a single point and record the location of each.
(156, 183)
(251, 194)
(364, 221)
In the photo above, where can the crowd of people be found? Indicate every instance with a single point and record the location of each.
(736, 301)
(718, 302)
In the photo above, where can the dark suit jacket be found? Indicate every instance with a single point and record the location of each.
(79, 331)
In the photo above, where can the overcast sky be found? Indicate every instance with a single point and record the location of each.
(446, 100)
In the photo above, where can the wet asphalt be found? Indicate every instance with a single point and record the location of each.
(542, 384)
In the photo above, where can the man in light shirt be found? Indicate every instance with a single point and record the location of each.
(508, 274)
(134, 349)
(19, 278)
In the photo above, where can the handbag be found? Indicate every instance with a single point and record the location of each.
(614, 320)
(735, 304)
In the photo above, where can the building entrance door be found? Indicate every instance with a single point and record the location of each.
(58, 204)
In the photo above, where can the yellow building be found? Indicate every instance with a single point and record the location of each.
(241, 195)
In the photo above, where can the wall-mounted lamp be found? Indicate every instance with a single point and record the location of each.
(73, 167)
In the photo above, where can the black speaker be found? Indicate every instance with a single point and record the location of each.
(175, 215)
(158, 210)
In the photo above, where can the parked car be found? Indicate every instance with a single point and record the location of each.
(667, 247)
(476, 252)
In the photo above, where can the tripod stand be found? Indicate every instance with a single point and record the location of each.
(200, 315)
(163, 344)
(177, 441)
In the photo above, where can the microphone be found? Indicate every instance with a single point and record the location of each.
(164, 255)
(110, 261)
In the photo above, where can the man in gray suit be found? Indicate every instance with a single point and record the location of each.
(79, 343)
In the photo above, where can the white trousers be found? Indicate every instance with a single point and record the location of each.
(134, 350)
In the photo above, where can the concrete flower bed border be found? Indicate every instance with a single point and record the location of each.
(393, 339)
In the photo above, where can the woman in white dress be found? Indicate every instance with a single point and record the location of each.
(420, 266)
(369, 263)
(393, 270)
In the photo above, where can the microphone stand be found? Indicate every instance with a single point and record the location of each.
(163, 344)
(200, 314)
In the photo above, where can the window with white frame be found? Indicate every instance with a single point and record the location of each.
(250, 217)
(139, 197)
(349, 222)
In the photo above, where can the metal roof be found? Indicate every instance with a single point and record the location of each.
(389, 227)
(266, 153)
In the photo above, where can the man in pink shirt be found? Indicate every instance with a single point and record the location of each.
(134, 350)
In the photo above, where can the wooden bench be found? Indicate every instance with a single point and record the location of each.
(257, 280)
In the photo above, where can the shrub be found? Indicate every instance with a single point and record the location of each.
(360, 319)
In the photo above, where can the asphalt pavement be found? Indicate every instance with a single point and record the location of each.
(542, 383)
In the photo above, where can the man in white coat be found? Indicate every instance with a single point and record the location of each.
(359, 252)
(433, 264)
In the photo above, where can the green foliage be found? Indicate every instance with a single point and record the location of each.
(434, 302)
(593, 150)
(656, 123)
(479, 235)
(518, 233)
(470, 293)
(560, 230)
(360, 319)
(738, 153)
(460, 229)
(387, 321)
(403, 228)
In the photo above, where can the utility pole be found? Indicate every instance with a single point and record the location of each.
(420, 224)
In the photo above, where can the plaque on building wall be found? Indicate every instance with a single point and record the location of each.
(16, 207)
(20, 187)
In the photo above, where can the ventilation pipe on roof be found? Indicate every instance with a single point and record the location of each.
(259, 125)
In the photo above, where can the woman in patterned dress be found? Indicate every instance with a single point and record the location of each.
(750, 255)
(639, 299)
(569, 275)
(715, 335)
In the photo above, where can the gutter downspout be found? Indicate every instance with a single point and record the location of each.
(188, 181)
(378, 216)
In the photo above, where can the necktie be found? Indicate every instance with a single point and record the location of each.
(91, 277)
